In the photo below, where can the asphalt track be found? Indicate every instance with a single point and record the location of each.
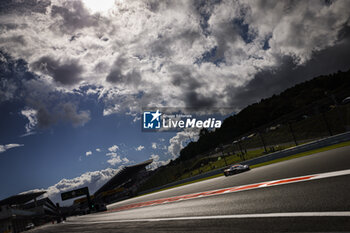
(270, 203)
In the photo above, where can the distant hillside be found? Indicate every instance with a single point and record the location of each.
(270, 109)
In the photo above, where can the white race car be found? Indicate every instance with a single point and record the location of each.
(237, 168)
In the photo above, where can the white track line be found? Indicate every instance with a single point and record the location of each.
(241, 216)
(236, 216)
(265, 184)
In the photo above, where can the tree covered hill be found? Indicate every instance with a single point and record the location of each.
(268, 110)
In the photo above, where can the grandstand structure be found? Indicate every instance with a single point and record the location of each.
(18, 211)
(121, 186)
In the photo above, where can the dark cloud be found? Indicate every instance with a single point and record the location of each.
(48, 105)
(19, 40)
(156, 6)
(69, 113)
(203, 9)
(22, 7)
(74, 16)
(7, 89)
(160, 47)
(287, 74)
(8, 27)
(188, 37)
(117, 76)
(182, 77)
(64, 112)
(66, 73)
(12, 74)
(228, 31)
(101, 67)
(153, 5)
(8, 85)
(198, 100)
(44, 118)
(131, 78)
(260, 46)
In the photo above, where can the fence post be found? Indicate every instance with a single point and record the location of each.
(292, 132)
(262, 140)
(340, 116)
(222, 152)
(327, 125)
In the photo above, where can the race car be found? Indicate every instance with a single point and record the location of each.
(237, 168)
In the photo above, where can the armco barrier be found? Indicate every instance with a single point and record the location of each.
(265, 158)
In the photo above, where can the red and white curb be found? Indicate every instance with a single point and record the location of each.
(233, 189)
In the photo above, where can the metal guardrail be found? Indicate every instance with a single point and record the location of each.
(301, 148)
(343, 137)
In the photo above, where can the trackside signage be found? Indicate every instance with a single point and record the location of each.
(157, 120)
(75, 193)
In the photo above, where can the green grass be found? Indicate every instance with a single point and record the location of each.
(232, 159)
(303, 154)
(343, 144)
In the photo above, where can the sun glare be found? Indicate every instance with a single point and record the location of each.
(100, 6)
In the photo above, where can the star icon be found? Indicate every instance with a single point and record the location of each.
(156, 116)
